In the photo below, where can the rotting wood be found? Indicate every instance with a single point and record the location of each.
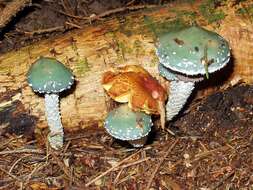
(93, 50)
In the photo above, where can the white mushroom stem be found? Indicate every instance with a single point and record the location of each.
(55, 136)
(178, 94)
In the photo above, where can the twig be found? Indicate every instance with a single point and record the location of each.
(224, 178)
(108, 13)
(61, 165)
(9, 141)
(134, 163)
(42, 31)
(66, 171)
(11, 10)
(37, 151)
(16, 162)
(117, 177)
(160, 163)
(11, 175)
(112, 168)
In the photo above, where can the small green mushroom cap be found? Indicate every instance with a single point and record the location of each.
(124, 124)
(47, 75)
(183, 51)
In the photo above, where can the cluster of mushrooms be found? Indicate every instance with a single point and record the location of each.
(185, 57)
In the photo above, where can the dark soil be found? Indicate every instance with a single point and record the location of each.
(30, 25)
(214, 135)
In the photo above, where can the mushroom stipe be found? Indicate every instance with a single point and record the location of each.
(185, 56)
(49, 76)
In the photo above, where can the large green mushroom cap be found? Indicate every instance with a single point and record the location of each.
(184, 51)
(124, 124)
(47, 75)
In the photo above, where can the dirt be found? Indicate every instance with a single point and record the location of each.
(214, 135)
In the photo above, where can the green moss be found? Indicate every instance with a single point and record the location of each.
(154, 60)
(151, 25)
(209, 11)
(4, 70)
(138, 49)
(159, 28)
(82, 66)
(246, 11)
(126, 26)
(184, 14)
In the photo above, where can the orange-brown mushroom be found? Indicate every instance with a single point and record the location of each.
(133, 84)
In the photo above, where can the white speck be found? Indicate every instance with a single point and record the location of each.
(70, 83)
(72, 77)
(30, 84)
(184, 59)
(174, 53)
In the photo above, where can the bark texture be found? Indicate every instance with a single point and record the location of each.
(91, 51)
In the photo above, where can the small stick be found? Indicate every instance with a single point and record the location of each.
(117, 177)
(112, 168)
(134, 163)
(36, 151)
(224, 178)
(160, 163)
(16, 162)
(11, 10)
(108, 13)
(43, 31)
(11, 175)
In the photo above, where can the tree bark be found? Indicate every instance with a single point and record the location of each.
(91, 51)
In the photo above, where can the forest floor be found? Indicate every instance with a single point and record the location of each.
(212, 147)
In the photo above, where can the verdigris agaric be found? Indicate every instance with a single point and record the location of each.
(50, 77)
(125, 124)
(187, 56)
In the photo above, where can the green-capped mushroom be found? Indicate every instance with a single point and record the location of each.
(51, 77)
(185, 57)
(125, 124)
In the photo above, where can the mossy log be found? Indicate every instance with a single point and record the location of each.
(91, 51)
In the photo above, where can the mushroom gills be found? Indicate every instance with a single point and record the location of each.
(179, 93)
(55, 137)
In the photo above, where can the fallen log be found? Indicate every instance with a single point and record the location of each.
(91, 51)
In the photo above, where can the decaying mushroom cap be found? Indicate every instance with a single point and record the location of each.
(184, 51)
(134, 85)
(125, 124)
(47, 75)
